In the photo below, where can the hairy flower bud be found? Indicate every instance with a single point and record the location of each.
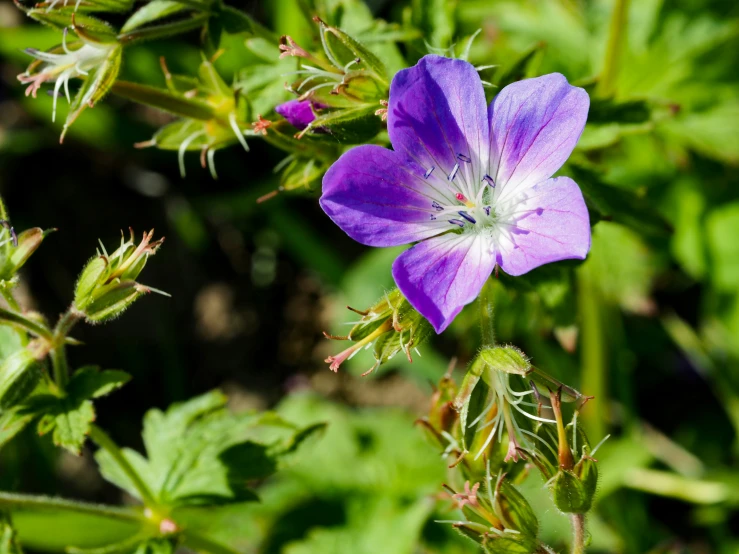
(571, 475)
(107, 286)
(392, 325)
(498, 517)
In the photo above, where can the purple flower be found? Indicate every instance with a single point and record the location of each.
(470, 183)
(299, 113)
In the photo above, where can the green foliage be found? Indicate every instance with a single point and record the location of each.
(68, 418)
(200, 454)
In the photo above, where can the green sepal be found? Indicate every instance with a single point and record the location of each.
(347, 126)
(345, 49)
(508, 359)
(110, 301)
(92, 276)
(570, 494)
(96, 85)
(549, 383)
(471, 400)
(12, 258)
(511, 544)
(514, 510)
(19, 375)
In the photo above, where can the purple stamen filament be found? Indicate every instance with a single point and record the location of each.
(467, 216)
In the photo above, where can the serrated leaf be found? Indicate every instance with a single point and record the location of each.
(200, 454)
(347, 126)
(90, 382)
(69, 422)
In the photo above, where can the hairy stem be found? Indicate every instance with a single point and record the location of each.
(102, 439)
(58, 352)
(614, 48)
(19, 320)
(35, 502)
(487, 314)
(578, 533)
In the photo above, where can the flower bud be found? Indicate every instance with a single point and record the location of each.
(20, 373)
(506, 358)
(107, 286)
(499, 518)
(573, 484)
(393, 325)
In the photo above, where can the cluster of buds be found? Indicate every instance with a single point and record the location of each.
(391, 326)
(338, 91)
(107, 284)
(496, 515)
(212, 114)
(507, 411)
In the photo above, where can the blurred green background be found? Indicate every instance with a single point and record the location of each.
(649, 324)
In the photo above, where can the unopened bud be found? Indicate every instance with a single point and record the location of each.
(392, 325)
(107, 285)
(506, 358)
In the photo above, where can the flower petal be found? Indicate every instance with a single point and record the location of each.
(299, 113)
(441, 275)
(535, 124)
(376, 200)
(436, 111)
(551, 224)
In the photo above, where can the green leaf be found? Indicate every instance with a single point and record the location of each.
(68, 418)
(722, 230)
(200, 454)
(153, 11)
(90, 382)
(8, 539)
(711, 133)
(611, 203)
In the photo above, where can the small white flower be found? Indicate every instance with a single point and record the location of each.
(60, 68)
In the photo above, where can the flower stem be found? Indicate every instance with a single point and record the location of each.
(593, 354)
(578, 533)
(616, 39)
(487, 314)
(37, 503)
(102, 439)
(19, 320)
(58, 352)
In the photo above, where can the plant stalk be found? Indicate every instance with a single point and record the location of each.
(578, 533)
(487, 314)
(616, 39)
(19, 320)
